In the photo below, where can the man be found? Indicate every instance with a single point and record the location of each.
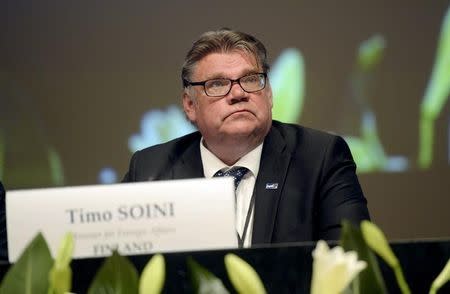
(299, 183)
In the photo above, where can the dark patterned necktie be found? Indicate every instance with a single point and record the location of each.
(236, 172)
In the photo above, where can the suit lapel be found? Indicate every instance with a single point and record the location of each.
(275, 160)
(188, 163)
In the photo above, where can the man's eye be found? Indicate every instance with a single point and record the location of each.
(251, 79)
(217, 83)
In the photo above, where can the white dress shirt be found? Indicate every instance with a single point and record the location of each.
(212, 164)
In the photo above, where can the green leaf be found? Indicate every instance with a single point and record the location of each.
(438, 89)
(377, 241)
(60, 275)
(370, 280)
(64, 256)
(372, 140)
(243, 277)
(116, 276)
(360, 154)
(370, 52)
(287, 80)
(56, 167)
(202, 280)
(29, 275)
(153, 276)
(436, 95)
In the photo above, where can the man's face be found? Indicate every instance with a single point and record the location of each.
(238, 115)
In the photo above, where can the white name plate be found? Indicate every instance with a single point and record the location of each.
(135, 218)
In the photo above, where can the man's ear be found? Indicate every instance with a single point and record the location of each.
(189, 106)
(269, 95)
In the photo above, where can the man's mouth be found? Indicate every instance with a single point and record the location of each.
(238, 112)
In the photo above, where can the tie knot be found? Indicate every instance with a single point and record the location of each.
(236, 172)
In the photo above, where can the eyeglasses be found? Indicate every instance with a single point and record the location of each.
(221, 87)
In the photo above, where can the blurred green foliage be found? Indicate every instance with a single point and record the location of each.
(436, 95)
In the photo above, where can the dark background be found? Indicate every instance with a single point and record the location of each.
(77, 76)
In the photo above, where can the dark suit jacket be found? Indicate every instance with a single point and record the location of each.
(315, 172)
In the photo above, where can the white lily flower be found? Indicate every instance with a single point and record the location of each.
(334, 269)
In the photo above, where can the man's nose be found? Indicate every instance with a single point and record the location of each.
(237, 93)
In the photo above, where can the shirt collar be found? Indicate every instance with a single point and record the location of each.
(211, 164)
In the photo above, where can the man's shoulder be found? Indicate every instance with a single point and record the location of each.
(308, 144)
(295, 134)
(156, 161)
(175, 146)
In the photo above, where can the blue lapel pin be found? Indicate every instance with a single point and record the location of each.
(271, 186)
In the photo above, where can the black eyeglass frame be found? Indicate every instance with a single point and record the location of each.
(187, 83)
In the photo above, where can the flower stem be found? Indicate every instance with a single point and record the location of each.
(401, 280)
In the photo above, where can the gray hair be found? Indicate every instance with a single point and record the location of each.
(223, 40)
